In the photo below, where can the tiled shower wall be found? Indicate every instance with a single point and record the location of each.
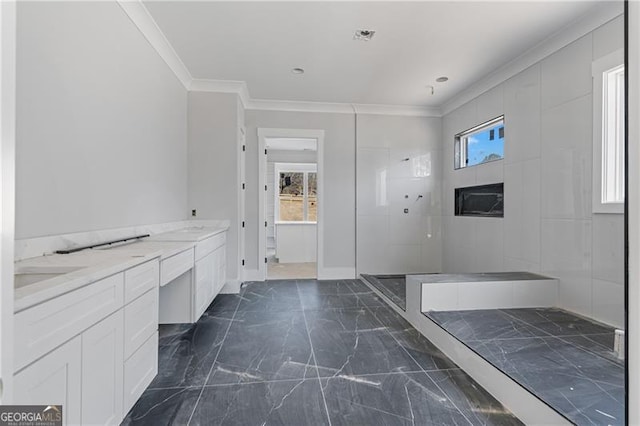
(548, 225)
(398, 194)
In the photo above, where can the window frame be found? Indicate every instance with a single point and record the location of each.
(460, 143)
(305, 169)
(608, 160)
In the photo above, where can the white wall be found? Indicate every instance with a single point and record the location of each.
(101, 123)
(214, 123)
(390, 241)
(547, 171)
(339, 181)
(280, 156)
(633, 205)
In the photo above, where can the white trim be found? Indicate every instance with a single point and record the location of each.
(598, 68)
(601, 15)
(141, 17)
(342, 108)
(7, 185)
(263, 134)
(348, 273)
(222, 86)
(633, 213)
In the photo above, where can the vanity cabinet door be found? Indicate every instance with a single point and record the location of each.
(204, 282)
(54, 379)
(102, 371)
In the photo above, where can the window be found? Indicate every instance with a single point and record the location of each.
(296, 197)
(482, 144)
(608, 134)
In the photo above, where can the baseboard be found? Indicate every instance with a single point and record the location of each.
(253, 275)
(231, 287)
(336, 273)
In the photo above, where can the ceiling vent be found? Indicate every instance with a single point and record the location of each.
(364, 35)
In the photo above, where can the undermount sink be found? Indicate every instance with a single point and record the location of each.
(28, 275)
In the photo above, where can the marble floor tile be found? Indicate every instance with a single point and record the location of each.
(350, 341)
(262, 346)
(419, 347)
(560, 374)
(163, 407)
(325, 287)
(472, 400)
(557, 322)
(389, 399)
(224, 303)
(187, 359)
(276, 403)
(270, 296)
(484, 324)
(392, 286)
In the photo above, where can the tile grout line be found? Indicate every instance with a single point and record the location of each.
(313, 355)
(195, 406)
(414, 360)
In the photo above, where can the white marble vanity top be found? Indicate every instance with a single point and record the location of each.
(38, 279)
(68, 272)
(191, 233)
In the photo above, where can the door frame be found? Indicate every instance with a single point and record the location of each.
(7, 184)
(263, 135)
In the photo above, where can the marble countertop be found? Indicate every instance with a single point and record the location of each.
(192, 233)
(84, 267)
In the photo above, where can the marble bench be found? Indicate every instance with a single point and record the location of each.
(498, 290)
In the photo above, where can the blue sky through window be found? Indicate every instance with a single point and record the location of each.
(481, 149)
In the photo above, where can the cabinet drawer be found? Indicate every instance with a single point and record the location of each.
(174, 266)
(44, 327)
(140, 321)
(141, 279)
(139, 371)
(210, 244)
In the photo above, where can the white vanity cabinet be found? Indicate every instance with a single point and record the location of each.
(55, 379)
(102, 372)
(210, 270)
(94, 350)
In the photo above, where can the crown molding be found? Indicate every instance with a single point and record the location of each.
(222, 86)
(342, 108)
(551, 44)
(142, 19)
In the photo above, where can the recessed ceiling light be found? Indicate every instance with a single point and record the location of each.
(364, 35)
(297, 70)
(442, 79)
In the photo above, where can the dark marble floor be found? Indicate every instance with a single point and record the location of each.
(392, 286)
(565, 360)
(308, 353)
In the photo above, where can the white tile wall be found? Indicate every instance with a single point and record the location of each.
(548, 225)
(403, 154)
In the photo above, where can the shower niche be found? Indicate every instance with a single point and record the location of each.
(482, 200)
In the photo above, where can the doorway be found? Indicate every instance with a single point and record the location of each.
(290, 205)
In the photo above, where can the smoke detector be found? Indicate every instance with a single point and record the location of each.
(364, 35)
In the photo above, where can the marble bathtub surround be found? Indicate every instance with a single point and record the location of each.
(306, 357)
(565, 360)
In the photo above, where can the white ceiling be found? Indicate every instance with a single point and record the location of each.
(415, 42)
